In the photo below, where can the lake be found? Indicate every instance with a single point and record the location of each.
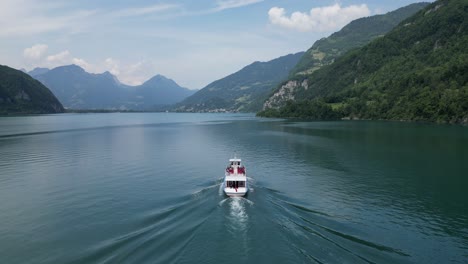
(145, 188)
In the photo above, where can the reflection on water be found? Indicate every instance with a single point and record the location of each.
(146, 188)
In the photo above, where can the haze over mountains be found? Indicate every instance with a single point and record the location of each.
(244, 90)
(37, 71)
(78, 89)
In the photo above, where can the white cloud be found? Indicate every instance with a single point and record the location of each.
(28, 17)
(82, 63)
(130, 73)
(139, 11)
(112, 65)
(320, 19)
(59, 58)
(137, 73)
(35, 52)
(36, 56)
(228, 4)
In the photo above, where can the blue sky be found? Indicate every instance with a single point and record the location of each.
(192, 42)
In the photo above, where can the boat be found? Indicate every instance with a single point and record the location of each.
(235, 179)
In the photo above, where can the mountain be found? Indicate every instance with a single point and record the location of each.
(38, 71)
(160, 90)
(418, 71)
(356, 34)
(78, 89)
(21, 94)
(325, 51)
(244, 90)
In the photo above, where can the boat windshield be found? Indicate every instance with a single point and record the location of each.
(235, 184)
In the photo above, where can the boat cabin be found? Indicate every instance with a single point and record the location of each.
(235, 167)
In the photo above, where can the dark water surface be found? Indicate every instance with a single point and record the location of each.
(145, 188)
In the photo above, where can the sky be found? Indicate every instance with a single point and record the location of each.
(192, 42)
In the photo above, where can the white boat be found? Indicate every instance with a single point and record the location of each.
(235, 179)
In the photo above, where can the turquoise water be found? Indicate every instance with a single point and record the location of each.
(145, 188)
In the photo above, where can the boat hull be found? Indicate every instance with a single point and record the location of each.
(231, 192)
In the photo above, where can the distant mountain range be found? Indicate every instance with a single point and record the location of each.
(38, 71)
(244, 91)
(326, 50)
(21, 94)
(417, 71)
(78, 89)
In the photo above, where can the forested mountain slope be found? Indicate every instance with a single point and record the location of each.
(21, 94)
(354, 35)
(245, 90)
(418, 71)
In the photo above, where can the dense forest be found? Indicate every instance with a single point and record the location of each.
(418, 71)
(354, 35)
(21, 94)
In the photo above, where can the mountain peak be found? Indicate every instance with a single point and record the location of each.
(37, 71)
(72, 68)
(158, 77)
(108, 74)
(160, 80)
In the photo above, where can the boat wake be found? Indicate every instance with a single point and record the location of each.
(321, 237)
(208, 221)
(170, 229)
(238, 216)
